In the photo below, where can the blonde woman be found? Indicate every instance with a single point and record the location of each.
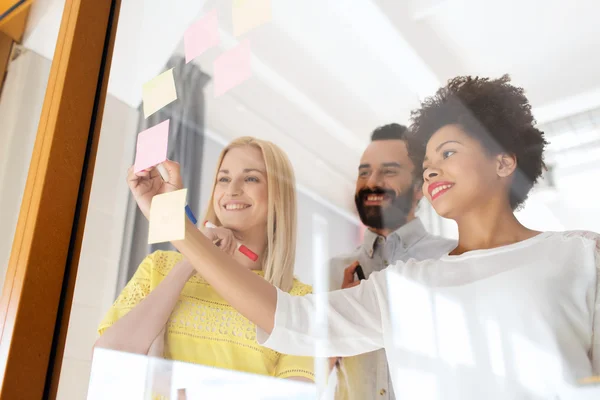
(253, 202)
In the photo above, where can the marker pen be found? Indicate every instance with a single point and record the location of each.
(241, 248)
(164, 174)
(188, 211)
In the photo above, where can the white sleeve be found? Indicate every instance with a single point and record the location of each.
(595, 348)
(595, 351)
(354, 319)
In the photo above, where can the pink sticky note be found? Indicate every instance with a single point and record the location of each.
(248, 14)
(152, 146)
(201, 36)
(232, 68)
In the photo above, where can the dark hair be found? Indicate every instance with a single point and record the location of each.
(390, 132)
(492, 111)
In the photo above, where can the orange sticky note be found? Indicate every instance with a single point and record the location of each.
(232, 68)
(248, 14)
(158, 92)
(167, 217)
(152, 145)
(201, 36)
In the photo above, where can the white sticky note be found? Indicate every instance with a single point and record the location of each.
(249, 14)
(159, 92)
(167, 217)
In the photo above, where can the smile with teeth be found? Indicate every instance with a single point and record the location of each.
(439, 189)
(375, 197)
(231, 207)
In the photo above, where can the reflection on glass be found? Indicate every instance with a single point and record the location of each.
(116, 375)
(454, 341)
(528, 357)
(495, 346)
(322, 77)
(416, 384)
(412, 316)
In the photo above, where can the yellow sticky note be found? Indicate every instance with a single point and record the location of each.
(158, 92)
(167, 217)
(248, 14)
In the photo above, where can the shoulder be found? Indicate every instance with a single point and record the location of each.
(300, 289)
(589, 237)
(435, 246)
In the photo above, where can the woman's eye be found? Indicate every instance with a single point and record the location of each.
(223, 179)
(448, 153)
(251, 179)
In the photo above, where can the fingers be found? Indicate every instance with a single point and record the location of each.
(349, 272)
(172, 167)
(223, 238)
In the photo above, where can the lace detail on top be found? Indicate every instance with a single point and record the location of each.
(133, 294)
(203, 328)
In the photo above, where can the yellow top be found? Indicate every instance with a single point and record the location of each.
(203, 328)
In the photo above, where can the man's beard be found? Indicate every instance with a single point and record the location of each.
(390, 216)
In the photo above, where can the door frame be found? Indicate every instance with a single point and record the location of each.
(40, 278)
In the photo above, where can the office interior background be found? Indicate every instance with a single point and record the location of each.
(325, 73)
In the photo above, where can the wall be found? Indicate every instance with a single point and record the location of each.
(101, 248)
(20, 109)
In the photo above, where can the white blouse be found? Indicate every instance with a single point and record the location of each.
(514, 322)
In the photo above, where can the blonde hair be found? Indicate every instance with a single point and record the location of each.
(278, 261)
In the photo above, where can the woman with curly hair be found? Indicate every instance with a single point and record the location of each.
(510, 313)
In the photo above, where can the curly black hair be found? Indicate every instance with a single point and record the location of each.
(492, 111)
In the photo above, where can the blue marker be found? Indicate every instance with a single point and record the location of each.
(190, 214)
(165, 176)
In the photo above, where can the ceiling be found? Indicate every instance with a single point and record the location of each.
(325, 73)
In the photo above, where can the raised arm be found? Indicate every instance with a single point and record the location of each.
(261, 302)
(286, 323)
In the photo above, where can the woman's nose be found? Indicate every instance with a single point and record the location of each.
(430, 173)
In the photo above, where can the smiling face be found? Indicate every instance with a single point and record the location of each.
(385, 193)
(460, 175)
(240, 198)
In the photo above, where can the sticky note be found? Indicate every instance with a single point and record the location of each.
(158, 92)
(232, 68)
(152, 146)
(248, 14)
(167, 217)
(201, 36)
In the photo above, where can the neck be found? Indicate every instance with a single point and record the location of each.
(385, 232)
(256, 240)
(492, 226)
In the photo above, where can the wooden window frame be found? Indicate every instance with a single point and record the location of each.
(38, 289)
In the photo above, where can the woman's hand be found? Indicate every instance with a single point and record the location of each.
(146, 184)
(224, 238)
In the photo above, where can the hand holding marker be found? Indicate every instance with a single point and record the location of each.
(240, 247)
